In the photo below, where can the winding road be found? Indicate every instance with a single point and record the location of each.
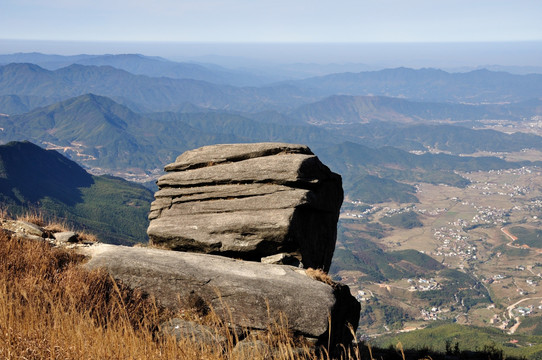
(511, 315)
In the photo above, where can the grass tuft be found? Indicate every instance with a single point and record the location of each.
(34, 217)
(320, 275)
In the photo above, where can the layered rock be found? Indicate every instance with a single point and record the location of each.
(249, 201)
(248, 294)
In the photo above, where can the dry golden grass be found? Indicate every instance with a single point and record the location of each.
(52, 308)
(37, 218)
(56, 227)
(87, 237)
(34, 217)
(320, 275)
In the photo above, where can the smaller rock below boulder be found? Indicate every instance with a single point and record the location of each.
(282, 259)
(250, 295)
(66, 237)
(23, 228)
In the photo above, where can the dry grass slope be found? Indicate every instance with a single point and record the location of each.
(51, 308)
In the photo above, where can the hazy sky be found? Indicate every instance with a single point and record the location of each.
(272, 20)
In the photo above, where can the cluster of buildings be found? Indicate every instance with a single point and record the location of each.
(503, 190)
(452, 242)
(422, 284)
(364, 213)
(430, 314)
(490, 215)
(394, 211)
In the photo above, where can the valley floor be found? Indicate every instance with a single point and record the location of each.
(489, 230)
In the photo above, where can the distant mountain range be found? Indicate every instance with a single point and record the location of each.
(144, 65)
(98, 132)
(444, 138)
(32, 178)
(428, 85)
(142, 93)
(148, 94)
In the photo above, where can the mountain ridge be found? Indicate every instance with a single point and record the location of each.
(138, 64)
(428, 84)
(150, 94)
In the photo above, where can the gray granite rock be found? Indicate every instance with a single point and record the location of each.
(248, 294)
(249, 201)
(23, 228)
(281, 259)
(66, 236)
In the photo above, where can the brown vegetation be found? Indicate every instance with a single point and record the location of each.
(52, 308)
(320, 275)
(34, 217)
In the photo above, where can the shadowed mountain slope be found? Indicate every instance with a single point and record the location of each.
(28, 173)
(34, 179)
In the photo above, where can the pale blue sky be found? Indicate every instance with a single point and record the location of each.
(272, 20)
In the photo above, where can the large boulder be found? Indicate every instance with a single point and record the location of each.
(249, 294)
(249, 201)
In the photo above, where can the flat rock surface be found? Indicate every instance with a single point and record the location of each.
(253, 294)
(216, 154)
(249, 201)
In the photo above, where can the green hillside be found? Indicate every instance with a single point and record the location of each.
(245, 128)
(444, 337)
(98, 132)
(343, 109)
(14, 104)
(45, 181)
(527, 236)
(449, 138)
(372, 190)
(357, 251)
(405, 220)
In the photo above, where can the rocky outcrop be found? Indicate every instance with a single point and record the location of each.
(248, 294)
(249, 201)
(56, 237)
